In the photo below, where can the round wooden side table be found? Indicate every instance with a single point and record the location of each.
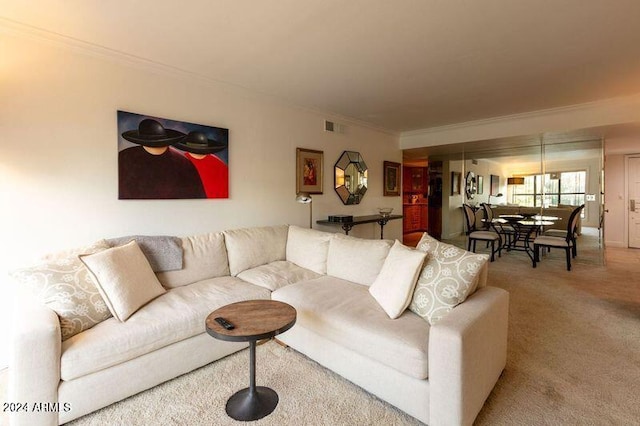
(253, 320)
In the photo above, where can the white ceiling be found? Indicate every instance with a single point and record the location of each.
(400, 65)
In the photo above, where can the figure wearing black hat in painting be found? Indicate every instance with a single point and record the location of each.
(214, 173)
(153, 170)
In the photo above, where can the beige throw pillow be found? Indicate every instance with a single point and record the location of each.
(63, 284)
(393, 288)
(450, 274)
(124, 278)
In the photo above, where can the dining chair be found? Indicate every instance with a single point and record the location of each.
(562, 233)
(501, 228)
(474, 235)
(568, 242)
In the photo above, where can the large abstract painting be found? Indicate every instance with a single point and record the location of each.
(167, 159)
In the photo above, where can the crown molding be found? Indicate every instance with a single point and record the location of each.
(622, 101)
(19, 29)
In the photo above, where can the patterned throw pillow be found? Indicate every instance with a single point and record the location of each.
(65, 285)
(450, 274)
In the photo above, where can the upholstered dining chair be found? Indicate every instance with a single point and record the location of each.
(504, 229)
(562, 233)
(567, 243)
(474, 235)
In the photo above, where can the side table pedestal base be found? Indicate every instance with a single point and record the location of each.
(246, 405)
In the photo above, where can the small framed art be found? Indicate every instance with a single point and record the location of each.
(391, 179)
(495, 185)
(455, 183)
(480, 184)
(309, 170)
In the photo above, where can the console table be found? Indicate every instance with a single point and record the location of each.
(359, 220)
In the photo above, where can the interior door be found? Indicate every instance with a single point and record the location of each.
(634, 202)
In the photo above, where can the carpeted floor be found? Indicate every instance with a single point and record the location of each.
(574, 346)
(574, 359)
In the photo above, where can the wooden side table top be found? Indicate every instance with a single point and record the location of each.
(253, 320)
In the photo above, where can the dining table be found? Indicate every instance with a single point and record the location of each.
(520, 231)
(546, 218)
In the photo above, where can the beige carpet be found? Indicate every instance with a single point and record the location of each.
(309, 394)
(574, 359)
(574, 343)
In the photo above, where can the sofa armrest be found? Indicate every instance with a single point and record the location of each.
(34, 364)
(467, 353)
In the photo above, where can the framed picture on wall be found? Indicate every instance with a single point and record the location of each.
(160, 158)
(495, 185)
(455, 183)
(309, 167)
(480, 183)
(391, 179)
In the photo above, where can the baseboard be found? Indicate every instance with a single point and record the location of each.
(616, 244)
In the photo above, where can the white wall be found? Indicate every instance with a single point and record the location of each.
(614, 201)
(485, 169)
(58, 153)
(615, 192)
(453, 221)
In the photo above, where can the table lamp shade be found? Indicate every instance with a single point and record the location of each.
(305, 198)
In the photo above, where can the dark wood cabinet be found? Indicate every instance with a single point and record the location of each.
(424, 222)
(406, 179)
(415, 218)
(415, 180)
(415, 187)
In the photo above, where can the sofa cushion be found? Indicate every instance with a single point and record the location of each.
(277, 274)
(124, 278)
(251, 247)
(528, 211)
(64, 284)
(308, 248)
(450, 274)
(393, 288)
(346, 314)
(204, 256)
(356, 259)
(176, 315)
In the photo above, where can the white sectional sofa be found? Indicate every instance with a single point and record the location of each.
(441, 374)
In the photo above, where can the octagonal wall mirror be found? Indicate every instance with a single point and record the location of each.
(350, 177)
(471, 186)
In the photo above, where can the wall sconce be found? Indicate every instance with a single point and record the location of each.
(305, 198)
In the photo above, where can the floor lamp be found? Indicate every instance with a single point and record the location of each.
(305, 198)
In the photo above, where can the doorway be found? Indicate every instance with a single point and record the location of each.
(633, 188)
(414, 202)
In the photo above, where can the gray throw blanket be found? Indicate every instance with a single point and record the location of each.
(164, 253)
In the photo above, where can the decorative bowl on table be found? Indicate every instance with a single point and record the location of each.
(385, 211)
